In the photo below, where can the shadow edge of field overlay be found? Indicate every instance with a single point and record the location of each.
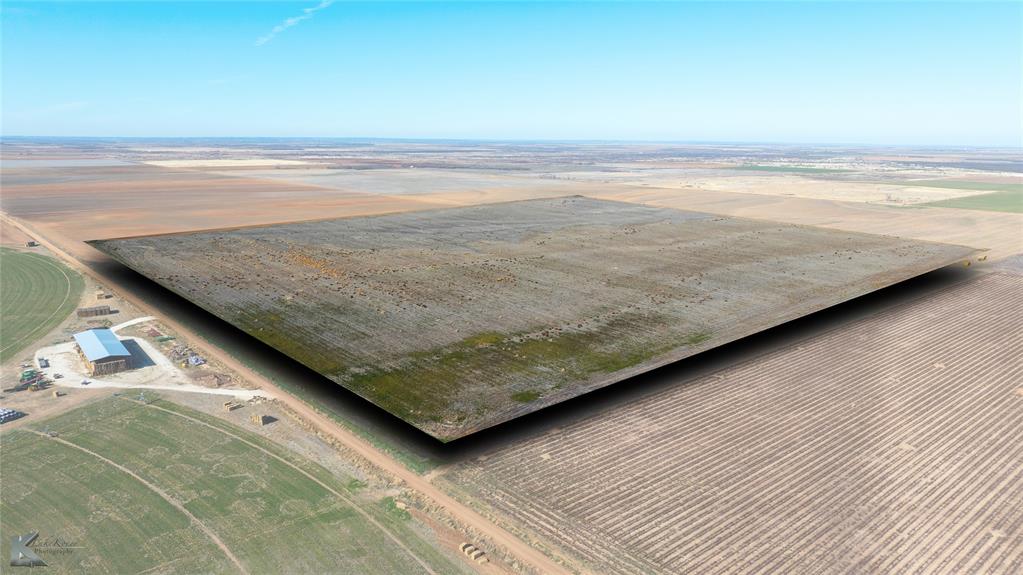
(420, 451)
(612, 378)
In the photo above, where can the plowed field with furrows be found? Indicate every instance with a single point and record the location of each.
(890, 445)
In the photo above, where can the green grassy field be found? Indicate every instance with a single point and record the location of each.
(36, 294)
(271, 509)
(1009, 201)
(790, 169)
(963, 185)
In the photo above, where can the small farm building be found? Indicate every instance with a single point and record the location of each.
(102, 351)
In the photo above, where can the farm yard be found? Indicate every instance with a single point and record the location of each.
(39, 292)
(159, 487)
(890, 444)
(482, 314)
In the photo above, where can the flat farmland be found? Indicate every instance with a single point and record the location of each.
(71, 200)
(1007, 201)
(787, 183)
(38, 292)
(991, 230)
(459, 319)
(414, 182)
(165, 489)
(888, 445)
(85, 202)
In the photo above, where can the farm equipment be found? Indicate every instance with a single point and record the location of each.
(186, 356)
(32, 383)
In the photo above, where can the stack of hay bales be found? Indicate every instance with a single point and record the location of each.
(474, 553)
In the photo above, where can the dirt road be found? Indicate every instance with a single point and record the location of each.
(363, 448)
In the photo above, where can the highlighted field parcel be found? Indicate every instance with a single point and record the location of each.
(459, 319)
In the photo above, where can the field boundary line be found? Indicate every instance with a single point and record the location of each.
(177, 505)
(330, 489)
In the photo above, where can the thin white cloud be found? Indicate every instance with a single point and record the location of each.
(306, 14)
(63, 107)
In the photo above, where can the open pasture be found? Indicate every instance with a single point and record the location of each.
(888, 445)
(163, 488)
(459, 319)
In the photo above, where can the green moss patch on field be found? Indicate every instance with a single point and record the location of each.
(697, 338)
(36, 294)
(270, 328)
(485, 339)
(425, 386)
(1011, 201)
(525, 396)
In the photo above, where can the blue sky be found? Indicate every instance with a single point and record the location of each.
(891, 73)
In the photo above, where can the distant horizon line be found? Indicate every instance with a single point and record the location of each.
(695, 142)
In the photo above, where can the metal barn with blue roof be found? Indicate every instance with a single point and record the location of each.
(102, 351)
